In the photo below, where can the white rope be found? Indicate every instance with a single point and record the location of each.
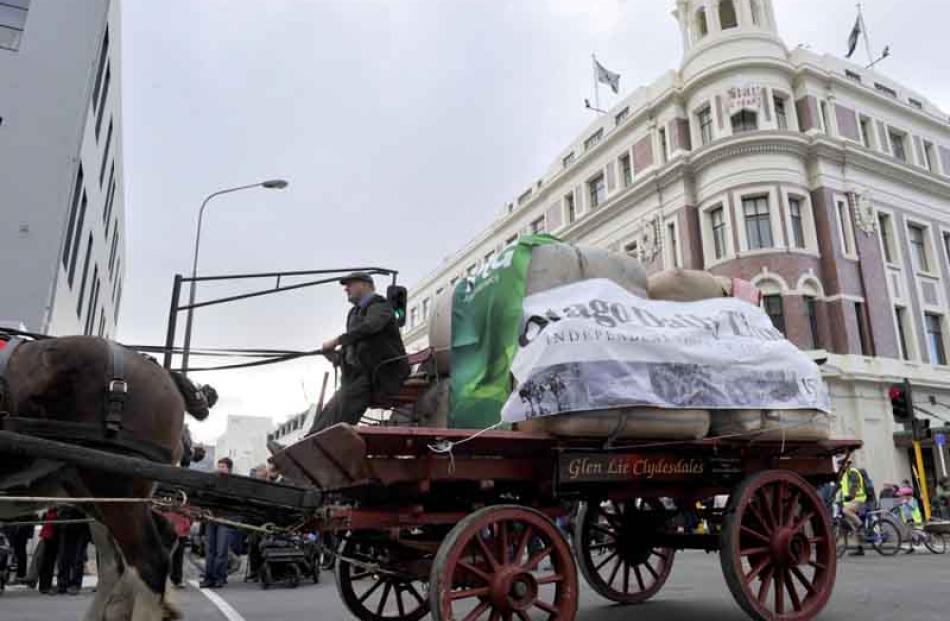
(444, 447)
(68, 501)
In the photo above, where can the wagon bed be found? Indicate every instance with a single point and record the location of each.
(469, 516)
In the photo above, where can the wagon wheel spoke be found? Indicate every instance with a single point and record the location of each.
(604, 531)
(769, 513)
(399, 604)
(805, 581)
(612, 518)
(600, 546)
(756, 534)
(779, 593)
(537, 558)
(605, 561)
(466, 593)
(359, 576)
(663, 555)
(817, 565)
(763, 593)
(794, 500)
(626, 577)
(415, 594)
(757, 569)
(523, 542)
(790, 587)
(382, 600)
(475, 571)
(370, 591)
(751, 551)
(546, 607)
(495, 615)
(758, 515)
(778, 500)
(522, 615)
(486, 552)
(613, 574)
(553, 578)
(802, 521)
(636, 572)
(652, 571)
(479, 611)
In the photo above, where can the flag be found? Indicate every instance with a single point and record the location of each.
(605, 76)
(853, 37)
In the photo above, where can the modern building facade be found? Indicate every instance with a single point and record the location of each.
(62, 231)
(243, 442)
(824, 183)
(294, 428)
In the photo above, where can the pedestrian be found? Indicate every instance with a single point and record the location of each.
(217, 542)
(182, 525)
(48, 550)
(19, 537)
(73, 539)
(943, 497)
(854, 496)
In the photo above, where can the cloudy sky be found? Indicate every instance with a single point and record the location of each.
(403, 128)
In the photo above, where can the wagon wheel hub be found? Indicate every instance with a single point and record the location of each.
(513, 588)
(790, 547)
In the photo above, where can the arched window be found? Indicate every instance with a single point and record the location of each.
(772, 302)
(702, 26)
(756, 13)
(727, 14)
(744, 121)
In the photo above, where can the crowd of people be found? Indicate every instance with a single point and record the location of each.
(61, 551)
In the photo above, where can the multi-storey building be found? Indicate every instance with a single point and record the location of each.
(62, 230)
(824, 183)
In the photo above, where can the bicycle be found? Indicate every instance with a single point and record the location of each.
(879, 530)
(916, 535)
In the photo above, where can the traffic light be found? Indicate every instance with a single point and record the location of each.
(900, 402)
(398, 298)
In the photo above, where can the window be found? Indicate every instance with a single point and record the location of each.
(781, 119)
(795, 214)
(621, 116)
(626, 172)
(12, 22)
(772, 305)
(935, 339)
(93, 302)
(537, 226)
(111, 188)
(930, 159)
(663, 147)
(593, 140)
(863, 335)
(844, 227)
(488, 256)
(471, 269)
(702, 26)
(811, 311)
(727, 14)
(890, 92)
(915, 103)
(425, 309)
(946, 245)
(102, 99)
(852, 75)
(918, 247)
(73, 209)
(568, 159)
(524, 197)
(103, 55)
(897, 145)
(511, 240)
(744, 121)
(824, 118)
(718, 223)
(105, 154)
(115, 243)
(900, 316)
(413, 316)
(674, 249)
(632, 249)
(85, 273)
(704, 117)
(758, 224)
(865, 124)
(79, 224)
(887, 236)
(597, 191)
(756, 13)
(571, 208)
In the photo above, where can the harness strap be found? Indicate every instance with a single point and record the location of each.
(117, 390)
(6, 352)
(86, 434)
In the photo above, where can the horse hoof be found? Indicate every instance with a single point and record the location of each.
(171, 612)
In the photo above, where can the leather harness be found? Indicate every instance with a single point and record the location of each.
(108, 435)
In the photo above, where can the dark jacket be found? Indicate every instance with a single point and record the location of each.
(372, 341)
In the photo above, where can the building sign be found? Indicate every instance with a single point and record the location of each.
(600, 467)
(748, 97)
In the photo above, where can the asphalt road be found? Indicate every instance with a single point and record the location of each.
(908, 587)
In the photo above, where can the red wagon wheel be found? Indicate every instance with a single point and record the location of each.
(616, 553)
(374, 595)
(501, 563)
(778, 548)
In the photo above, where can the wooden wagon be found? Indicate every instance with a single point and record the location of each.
(471, 526)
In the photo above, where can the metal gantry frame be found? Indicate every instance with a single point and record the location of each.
(176, 307)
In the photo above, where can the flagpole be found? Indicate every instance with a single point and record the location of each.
(864, 31)
(596, 82)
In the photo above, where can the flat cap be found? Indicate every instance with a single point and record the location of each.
(356, 276)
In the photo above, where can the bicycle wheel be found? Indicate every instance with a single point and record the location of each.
(884, 537)
(935, 542)
(843, 537)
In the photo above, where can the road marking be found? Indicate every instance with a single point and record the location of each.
(226, 609)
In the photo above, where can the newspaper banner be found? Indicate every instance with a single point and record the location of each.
(593, 345)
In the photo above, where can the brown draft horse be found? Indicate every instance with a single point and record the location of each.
(64, 379)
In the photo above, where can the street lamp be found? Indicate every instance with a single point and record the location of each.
(270, 184)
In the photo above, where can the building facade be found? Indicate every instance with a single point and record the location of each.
(822, 182)
(243, 442)
(62, 234)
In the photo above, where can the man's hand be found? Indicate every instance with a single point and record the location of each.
(331, 345)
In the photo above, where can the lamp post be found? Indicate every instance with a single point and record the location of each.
(270, 184)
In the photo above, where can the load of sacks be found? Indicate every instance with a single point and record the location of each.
(556, 264)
